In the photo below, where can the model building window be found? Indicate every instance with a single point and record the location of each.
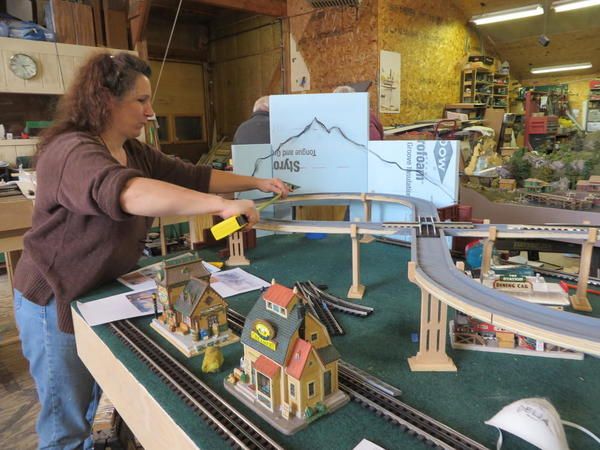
(314, 336)
(263, 383)
(311, 389)
(277, 309)
(188, 128)
(293, 390)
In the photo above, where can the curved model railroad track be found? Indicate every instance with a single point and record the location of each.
(229, 423)
(376, 395)
(334, 302)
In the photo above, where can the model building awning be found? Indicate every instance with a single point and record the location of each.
(265, 366)
(280, 295)
(298, 358)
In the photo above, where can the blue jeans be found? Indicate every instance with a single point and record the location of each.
(67, 392)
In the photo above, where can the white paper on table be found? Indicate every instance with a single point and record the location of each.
(365, 444)
(117, 307)
(236, 281)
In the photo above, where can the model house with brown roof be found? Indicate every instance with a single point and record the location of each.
(289, 369)
(194, 314)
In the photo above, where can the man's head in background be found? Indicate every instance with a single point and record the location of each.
(262, 104)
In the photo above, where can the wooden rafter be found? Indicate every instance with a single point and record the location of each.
(275, 8)
(139, 11)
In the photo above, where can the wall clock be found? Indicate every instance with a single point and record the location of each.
(23, 66)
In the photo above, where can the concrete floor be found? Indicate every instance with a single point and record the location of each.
(18, 400)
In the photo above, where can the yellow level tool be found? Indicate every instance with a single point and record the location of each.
(236, 223)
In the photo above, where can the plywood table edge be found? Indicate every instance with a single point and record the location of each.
(148, 421)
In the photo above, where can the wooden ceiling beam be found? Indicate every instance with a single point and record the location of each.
(275, 8)
(139, 11)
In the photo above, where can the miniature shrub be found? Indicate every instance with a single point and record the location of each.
(308, 412)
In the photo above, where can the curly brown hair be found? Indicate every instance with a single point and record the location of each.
(86, 104)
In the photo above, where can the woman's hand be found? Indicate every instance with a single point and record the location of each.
(240, 207)
(273, 185)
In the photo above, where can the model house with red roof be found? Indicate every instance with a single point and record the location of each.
(289, 371)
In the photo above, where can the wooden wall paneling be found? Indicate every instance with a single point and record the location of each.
(64, 21)
(115, 26)
(243, 55)
(97, 16)
(83, 21)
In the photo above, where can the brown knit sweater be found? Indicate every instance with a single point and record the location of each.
(80, 237)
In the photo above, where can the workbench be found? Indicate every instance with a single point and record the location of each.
(15, 220)
(379, 344)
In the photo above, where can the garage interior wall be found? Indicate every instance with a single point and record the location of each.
(180, 93)
(245, 63)
(434, 42)
(339, 45)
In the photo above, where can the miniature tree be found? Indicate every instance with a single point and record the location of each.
(519, 167)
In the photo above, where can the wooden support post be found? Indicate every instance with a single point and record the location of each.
(366, 238)
(486, 257)
(579, 301)
(236, 250)
(431, 356)
(12, 258)
(357, 290)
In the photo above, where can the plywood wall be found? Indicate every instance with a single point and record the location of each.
(245, 63)
(339, 45)
(433, 41)
(180, 92)
(579, 88)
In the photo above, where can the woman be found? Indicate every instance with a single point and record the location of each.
(98, 189)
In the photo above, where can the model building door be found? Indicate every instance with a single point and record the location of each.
(327, 383)
(213, 324)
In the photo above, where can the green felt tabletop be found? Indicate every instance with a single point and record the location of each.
(381, 344)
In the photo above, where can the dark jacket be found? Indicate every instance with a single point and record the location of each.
(255, 130)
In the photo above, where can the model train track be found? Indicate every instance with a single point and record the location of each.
(334, 302)
(376, 395)
(320, 309)
(565, 276)
(228, 422)
(410, 420)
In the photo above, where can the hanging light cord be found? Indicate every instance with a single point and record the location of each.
(162, 65)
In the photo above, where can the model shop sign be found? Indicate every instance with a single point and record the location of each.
(263, 332)
(515, 284)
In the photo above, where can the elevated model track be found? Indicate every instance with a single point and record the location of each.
(436, 274)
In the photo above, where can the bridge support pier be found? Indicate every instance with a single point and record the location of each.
(431, 356)
(579, 301)
(357, 290)
(236, 250)
(366, 238)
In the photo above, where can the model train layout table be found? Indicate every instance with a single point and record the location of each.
(379, 344)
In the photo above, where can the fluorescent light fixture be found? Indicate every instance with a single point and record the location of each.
(564, 68)
(508, 14)
(570, 5)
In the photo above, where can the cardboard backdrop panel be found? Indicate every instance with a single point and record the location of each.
(319, 142)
